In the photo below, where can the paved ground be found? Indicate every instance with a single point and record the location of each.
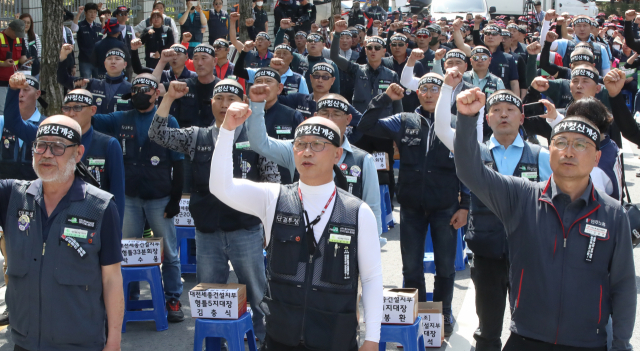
(142, 335)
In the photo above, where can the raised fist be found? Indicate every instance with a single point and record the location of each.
(534, 48)
(540, 84)
(395, 92)
(560, 20)
(167, 55)
(457, 24)
(177, 89)
(440, 54)
(550, 15)
(614, 81)
(64, 51)
(136, 44)
(80, 83)
(18, 81)
(248, 45)
(551, 36)
(186, 37)
(469, 102)
(237, 113)
(340, 26)
(259, 92)
(285, 23)
(324, 23)
(630, 15)
(416, 55)
(337, 18)
(234, 16)
(453, 77)
(277, 63)
(151, 31)
(377, 23)
(80, 9)
(249, 22)
(314, 27)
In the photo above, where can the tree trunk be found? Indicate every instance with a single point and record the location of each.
(385, 5)
(246, 11)
(51, 44)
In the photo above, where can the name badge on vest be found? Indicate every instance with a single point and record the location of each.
(73, 243)
(597, 231)
(383, 85)
(245, 145)
(81, 222)
(288, 219)
(283, 130)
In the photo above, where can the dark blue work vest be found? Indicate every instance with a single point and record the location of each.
(97, 88)
(95, 158)
(193, 27)
(16, 161)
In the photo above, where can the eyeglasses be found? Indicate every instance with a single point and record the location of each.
(56, 148)
(492, 34)
(76, 108)
(480, 58)
(314, 40)
(316, 145)
(396, 45)
(578, 144)
(143, 89)
(374, 47)
(326, 113)
(260, 40)
(423, 36)
(434, 89)
(321, 76)
(218, 47)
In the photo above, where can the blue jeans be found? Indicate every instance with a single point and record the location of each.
(136, 210)
(413, 232)
(244, 249)
(87, 70)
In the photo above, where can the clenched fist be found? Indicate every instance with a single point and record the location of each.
(236, 114)
(551, 37)
(177, 90)
(340, 26)
(469, 102)
(416, 55)
(234, 16)
(249, 45)
(395, 92)
(277, 64)
(18, 81)
(167, 55)
(136, 44)
(630, 15)
(259, 92)
(65, 51)
(453, 77)
(186, 37)
(440, 54)
(540, 84)
(285, 23)
(249, 22)
(614, 81)
(534, 48)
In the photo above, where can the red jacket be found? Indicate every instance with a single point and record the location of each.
(7, 72)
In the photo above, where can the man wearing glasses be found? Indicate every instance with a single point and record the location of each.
(63, 235)
(218, 22)
(102, 155)
(293, 82)
(153, 183)
(428, 188)
(569, 243)
(398, 46)
(502, 65)
(479, 76)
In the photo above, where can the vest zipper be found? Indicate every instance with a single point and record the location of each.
(309, 278)
(44, 245)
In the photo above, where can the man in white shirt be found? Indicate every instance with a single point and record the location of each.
(306, 237)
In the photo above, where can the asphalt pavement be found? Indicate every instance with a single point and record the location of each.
(142, 336)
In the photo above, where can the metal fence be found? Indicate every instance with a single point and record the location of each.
(72, 5)
(8, 10)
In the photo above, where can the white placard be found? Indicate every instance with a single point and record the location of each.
(184, 217)
(138, 252)
(380, 160)
(214, 303)
(398, 309)
(431, 327)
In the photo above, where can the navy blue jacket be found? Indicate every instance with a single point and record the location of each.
(88, 35)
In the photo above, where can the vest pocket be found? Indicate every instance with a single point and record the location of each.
(338, 265)
(285, 253)
(284, 322)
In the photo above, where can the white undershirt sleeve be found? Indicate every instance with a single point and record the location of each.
(443, 117)
(370, 265)
(408, 80)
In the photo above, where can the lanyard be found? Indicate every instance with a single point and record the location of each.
(311, 243)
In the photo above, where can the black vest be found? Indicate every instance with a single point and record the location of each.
(218, 26)
(193, 27)
(292, 84)
(209, 213)
(491, 85)
(95, 158)
(354, 162)
(195, 109)
(313, 297)
(597, 54)
(147, 167)
(281, 124)
(370, 83)
(429, 182)
(98, 89)
(486, 235)
(16, 160)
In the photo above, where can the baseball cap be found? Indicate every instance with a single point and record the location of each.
(18, 27)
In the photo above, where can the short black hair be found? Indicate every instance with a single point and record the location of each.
(537, 3)
(91, 6)
(593, 110)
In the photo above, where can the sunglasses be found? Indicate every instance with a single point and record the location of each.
(374, 47)
(314, 40)
(321, 76)
(492, 34)
(423, 36)
(143, 89)
(480, 58)
(76, 108)
(396, 45)
(218, 47)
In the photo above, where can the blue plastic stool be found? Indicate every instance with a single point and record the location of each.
(150, 274)
(628, 99)
(187, 263)
(396, 164)
(386, 212)
(233, 330)
(408, 336)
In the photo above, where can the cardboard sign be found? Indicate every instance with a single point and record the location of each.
(142, 251)
(218, 301)
(184, 217)
(400, 306)
(381, 160)
(431, 325)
